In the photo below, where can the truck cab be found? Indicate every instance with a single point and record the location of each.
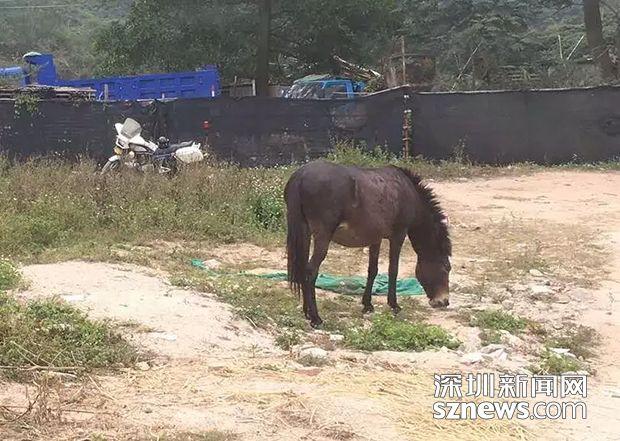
(324, 87)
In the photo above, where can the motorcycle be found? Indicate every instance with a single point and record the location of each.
(134, 152)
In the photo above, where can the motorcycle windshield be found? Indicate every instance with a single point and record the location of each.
(131, 128)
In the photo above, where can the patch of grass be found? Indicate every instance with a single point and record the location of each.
(218, 202)
(340, 313)
(269, 304)
(497, 320)
(9, 275)
(389, 333)
(180, 281)
(312, 361)
(134, 326)
(458, 166)
(612, 165)
(348, 154)
(554, 364)
(580, 340)
(288, 338)
(87, 214)
(490, 337)
(49, 333)
(537, 329)
(223, 203)
(259, 301)
(211, 435)
(272, 306)
(268, 209)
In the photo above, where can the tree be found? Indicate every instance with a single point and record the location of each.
(596, 41)
(303, 35)
(263, 51)
(308, 33)
(66, 30)
(500, 32)
(168, 35)
(290, 38)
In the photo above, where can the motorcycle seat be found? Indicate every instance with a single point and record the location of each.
(173, 148)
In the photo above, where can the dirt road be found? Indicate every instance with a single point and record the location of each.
(212, 371)
(574, 199)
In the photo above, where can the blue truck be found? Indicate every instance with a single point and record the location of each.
(324, 87)
(40, 69)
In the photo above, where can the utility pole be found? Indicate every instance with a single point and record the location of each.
(403, 58)
(262, 54)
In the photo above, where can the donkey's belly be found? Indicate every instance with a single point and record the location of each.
(349, 237)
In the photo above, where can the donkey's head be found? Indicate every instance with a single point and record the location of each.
(433, 268)
(430, 238)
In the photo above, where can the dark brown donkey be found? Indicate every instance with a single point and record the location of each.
(359, 207)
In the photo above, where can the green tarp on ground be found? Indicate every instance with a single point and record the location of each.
(352, 285)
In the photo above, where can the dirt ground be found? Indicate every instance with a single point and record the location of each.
(212, 371)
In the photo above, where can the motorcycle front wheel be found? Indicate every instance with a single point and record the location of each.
(111, 167)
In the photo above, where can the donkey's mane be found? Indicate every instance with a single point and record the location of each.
(429, 198)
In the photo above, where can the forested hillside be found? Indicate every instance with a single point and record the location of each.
(66, 28)
(476, 43)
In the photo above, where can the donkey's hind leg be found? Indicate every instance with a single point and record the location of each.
(321, 245)
(373, 268)
(304, 297)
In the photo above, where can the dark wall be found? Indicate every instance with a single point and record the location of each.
(546, 126)
(493, 127)
(267, 131)
(249, 131)
(64, 127)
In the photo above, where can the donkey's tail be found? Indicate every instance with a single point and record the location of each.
(298, 235)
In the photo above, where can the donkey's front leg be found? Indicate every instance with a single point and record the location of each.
(373, 268)
(396, 244)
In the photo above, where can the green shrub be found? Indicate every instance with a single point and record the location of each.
(389, 333)
(580, 340)
(268, 211)
(288, 338)
(555, 364)
(497, 320)
(9, 275)
(53, 334)
(349, 154)
(312, 361)
(490, 336)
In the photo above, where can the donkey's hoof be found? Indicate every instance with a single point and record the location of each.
(396, 309)
(316, 324)
(368, 309)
